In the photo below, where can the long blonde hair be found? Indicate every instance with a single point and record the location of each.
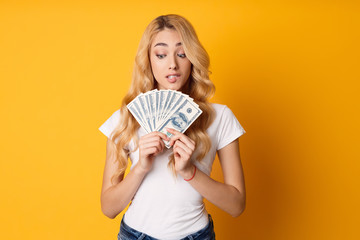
(200, 88)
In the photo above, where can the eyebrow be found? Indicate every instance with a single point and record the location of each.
(165, 45)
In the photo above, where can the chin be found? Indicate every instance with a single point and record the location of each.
(177, 86)
(173, 87)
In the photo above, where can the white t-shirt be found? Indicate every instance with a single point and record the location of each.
(167, 207)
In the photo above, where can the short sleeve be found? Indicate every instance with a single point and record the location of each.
(229, 128)
(110, 124)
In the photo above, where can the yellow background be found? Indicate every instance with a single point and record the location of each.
(289, 70)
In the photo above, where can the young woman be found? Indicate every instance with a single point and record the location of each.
(165, 186)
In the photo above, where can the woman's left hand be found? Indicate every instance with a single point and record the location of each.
(183, 148)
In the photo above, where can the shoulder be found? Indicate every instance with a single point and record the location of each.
(217, 106)
(226, 127)
(221, 110)
(110, 124)
(114, 119)
(116, 114)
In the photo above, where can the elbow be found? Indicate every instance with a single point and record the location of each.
(109, 215)
(240, 208)
(107, 212)
(107, 208)
(237, 212)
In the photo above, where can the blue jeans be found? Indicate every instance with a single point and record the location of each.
(128, 233)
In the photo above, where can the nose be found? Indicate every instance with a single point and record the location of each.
(173, 63)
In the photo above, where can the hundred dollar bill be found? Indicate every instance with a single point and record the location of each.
(136, 112)
(157, 110)
(180, 119)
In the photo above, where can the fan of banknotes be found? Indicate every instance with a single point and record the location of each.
(157, 110)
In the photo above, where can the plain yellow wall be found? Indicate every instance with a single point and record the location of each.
(289, 70)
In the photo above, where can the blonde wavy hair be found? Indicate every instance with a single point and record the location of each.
(200, 88)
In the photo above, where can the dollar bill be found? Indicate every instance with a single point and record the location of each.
(157, 110)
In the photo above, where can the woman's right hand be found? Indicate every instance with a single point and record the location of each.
(150, 145)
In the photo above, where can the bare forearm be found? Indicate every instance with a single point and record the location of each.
(225, 196)
(115, 199)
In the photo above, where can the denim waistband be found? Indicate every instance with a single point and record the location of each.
(128, 233)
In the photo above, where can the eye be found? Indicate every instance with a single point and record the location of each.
(182, 55)
(160, 56)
